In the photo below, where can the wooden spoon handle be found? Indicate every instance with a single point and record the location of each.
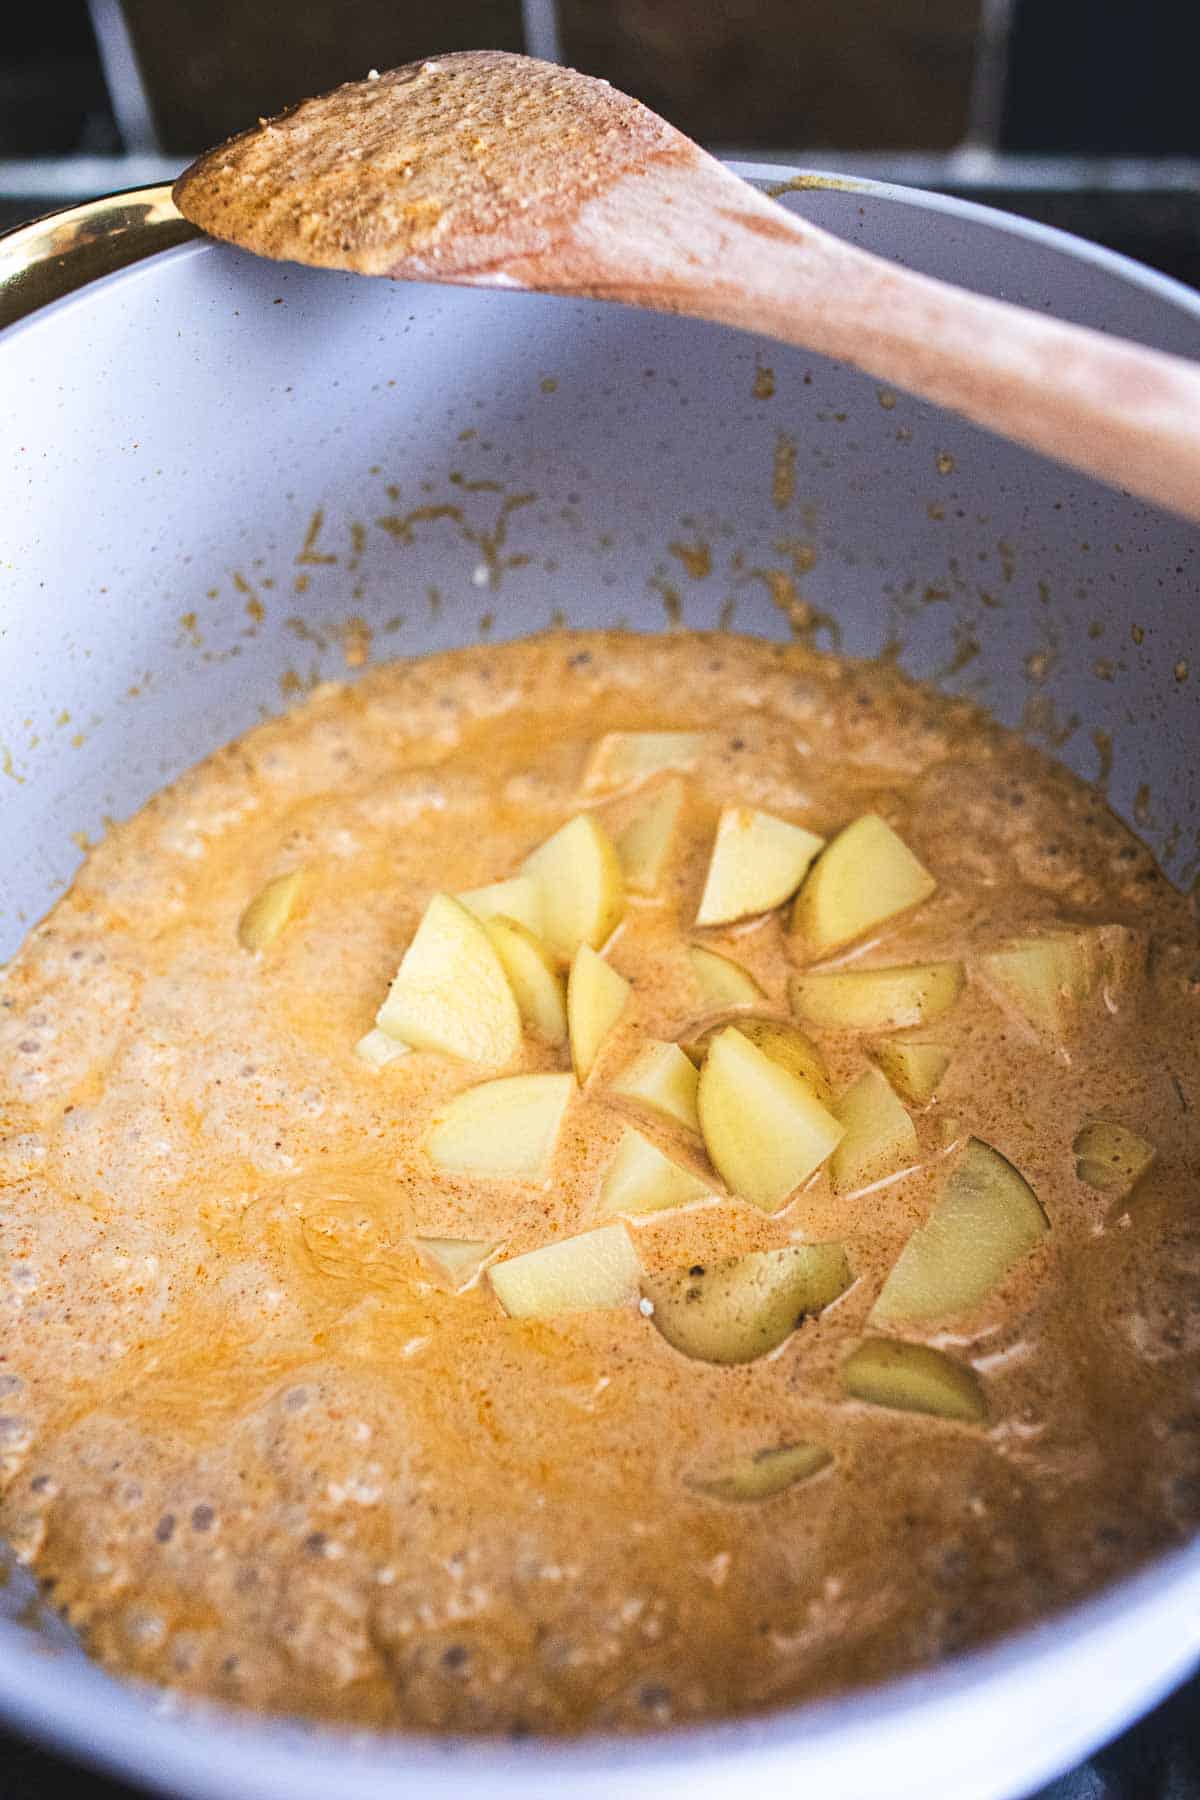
(688, 236)
(1111, 408)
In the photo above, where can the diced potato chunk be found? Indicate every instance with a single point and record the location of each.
(269, 911)
(1111, 1157)
(864, 877)
(450, 992)
(532, 975)
(1044, 979)
(914, 1070)
(662, 1078)
(596, 997)
(518, 898)
(985, 1219)
(456, 1261)
(1048, 980)
(583, 890)
(640, 1179)
(880, 1137)
(779, 1039)
(722, 982)
(622, 757)
(645, 843)
(761, 1474)
(502, 1130)
(377, 1049)
(599, 1269)
(877, 999)
(735, 1310)
(914, 1378)
(764, 1128)
(758, 861)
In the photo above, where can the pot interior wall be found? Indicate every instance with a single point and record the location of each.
(230, 479)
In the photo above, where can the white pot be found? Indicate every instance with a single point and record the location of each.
(168, 432)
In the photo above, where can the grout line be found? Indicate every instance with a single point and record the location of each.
(543, 35)
(989, 78)
(123, 77)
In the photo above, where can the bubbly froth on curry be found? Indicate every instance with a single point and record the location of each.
(883, 1337)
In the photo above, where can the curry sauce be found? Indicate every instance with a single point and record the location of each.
(260, 1448)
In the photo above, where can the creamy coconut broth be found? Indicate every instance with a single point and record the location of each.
(264, 1441)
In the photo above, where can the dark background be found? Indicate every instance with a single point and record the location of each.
(1085, 75)
(1083, 113)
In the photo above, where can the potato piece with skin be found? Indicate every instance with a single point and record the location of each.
(984, 1221)
(914, 1378)
(598, 1270)
(502, 1130)
(583, 890)
(519, 898)
(377, 1049)
(532, 975)
(644, 845)
(760, 1475)
(269, 911)
(880, 1137)
(450, 992)
(596, 997)
(757, 863)
(623, 757)
(1051, 980)
(866, 876)
(721, 981)
(914, 1070)
(641, 1179)
(662, 1078)
(1110, 1157)
(779, 1039)
(764, 1129)
(736, 1310)
(877, 999)
(456, 1261)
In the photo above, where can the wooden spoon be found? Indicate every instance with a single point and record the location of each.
(492, 170)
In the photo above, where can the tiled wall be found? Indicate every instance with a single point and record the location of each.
(213, 66)
(873, 74)
(1115, 76)
(792, 75)
(870, 73)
